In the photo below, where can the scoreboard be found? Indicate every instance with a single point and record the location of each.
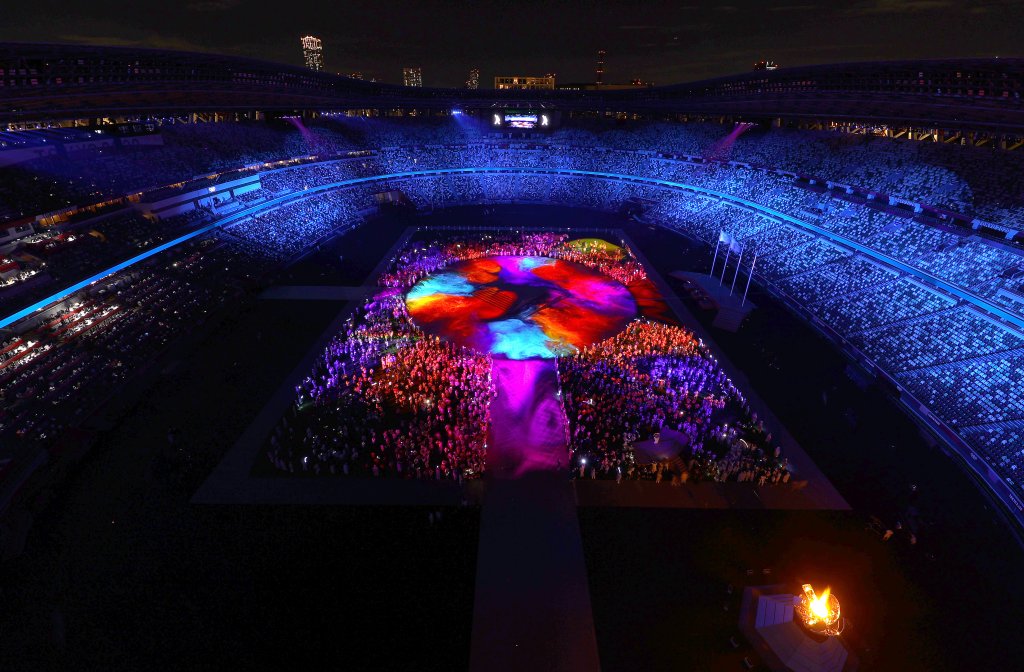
(523, 120)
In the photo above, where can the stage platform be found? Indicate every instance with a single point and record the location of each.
(732, 310)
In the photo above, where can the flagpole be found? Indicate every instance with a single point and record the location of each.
(715, 258)
(726, 265)
(749, 276)
(737, 273)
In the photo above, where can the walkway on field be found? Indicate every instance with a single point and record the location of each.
(532, 607)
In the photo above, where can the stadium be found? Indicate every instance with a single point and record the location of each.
(297, 367)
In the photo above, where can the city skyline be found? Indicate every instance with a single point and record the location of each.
(660, 42)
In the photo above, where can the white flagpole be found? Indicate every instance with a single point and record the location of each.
(715, 258)
(737, 273)
(724, 266)
(749, 276)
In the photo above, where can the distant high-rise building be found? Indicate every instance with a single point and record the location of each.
(356, 75)
(600, 67)
(474, 79)
(524, 82)
(766, 65)
(412, 76)
(313, 52)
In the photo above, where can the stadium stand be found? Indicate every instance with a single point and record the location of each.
(872, 269)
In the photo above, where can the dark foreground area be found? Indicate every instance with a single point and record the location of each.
(121, 572)
(922, 606)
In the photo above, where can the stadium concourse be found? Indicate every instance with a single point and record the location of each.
(905, 255)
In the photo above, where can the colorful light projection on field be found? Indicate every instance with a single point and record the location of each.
(596, 246)
(648, 299)
(521, 307)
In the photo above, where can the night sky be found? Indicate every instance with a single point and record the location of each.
(659, 41)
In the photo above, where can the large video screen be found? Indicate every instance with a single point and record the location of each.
(519, 120)
(523, 121)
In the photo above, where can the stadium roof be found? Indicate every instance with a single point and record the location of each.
(57, 81)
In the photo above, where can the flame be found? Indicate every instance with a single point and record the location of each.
(819, 606)
(820, 612)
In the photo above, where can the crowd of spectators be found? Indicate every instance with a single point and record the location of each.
(971, 180)
(884, 304)
(83, 350)
(841, 277)
(945, 254)
(938, 338)
(73, 177)
(981, 391)
(284, 232)
(55, 257)
(657, 151)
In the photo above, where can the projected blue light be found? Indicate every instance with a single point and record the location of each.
(518, 340)
(529, 263)
(442, 283)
